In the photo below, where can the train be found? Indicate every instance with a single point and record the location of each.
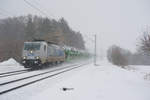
(36, 54)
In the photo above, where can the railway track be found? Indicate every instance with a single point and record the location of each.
(42, 73)
(13, 73)
(36, 78)
(17, 72)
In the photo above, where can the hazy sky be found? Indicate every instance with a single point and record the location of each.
(114, 21)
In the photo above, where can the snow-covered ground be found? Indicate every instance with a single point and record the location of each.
(144, 71)
(10, 65)
(103, 82)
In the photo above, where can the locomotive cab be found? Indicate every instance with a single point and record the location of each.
(34, 54)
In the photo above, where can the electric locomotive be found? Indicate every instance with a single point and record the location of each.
(38, 53)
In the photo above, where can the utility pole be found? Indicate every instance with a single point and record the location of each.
(95, 51)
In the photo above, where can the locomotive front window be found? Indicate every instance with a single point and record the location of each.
(31, 46)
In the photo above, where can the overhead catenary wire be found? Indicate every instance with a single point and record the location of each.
(2, 14)
(36, 8)
(37, 3)
(5, 12)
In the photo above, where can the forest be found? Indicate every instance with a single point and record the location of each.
(14, 31)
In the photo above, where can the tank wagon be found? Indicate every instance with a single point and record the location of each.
(37, 53)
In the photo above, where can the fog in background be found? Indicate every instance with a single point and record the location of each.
(119, 22)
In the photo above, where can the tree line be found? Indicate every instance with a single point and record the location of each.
(15, 30)
(122, 57)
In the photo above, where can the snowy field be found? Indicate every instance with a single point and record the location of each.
(103, 82)
(144, 71)
(10, 65)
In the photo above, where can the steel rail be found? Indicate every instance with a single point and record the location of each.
(40, 79)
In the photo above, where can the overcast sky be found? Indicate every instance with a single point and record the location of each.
(119, 22)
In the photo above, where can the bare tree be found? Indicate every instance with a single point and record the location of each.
(144, 45)
(117, 56)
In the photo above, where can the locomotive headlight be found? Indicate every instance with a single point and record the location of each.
(24, 57)
(37, 57)
(31, 51)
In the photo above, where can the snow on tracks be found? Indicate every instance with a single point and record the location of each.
(43, 76)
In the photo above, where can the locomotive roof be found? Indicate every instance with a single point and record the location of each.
(35, 42)
(41, 40)
(53, 45)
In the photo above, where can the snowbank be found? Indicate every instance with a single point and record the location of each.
(9, 62)
(10, 65)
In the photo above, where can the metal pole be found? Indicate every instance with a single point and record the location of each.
(95, 51)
